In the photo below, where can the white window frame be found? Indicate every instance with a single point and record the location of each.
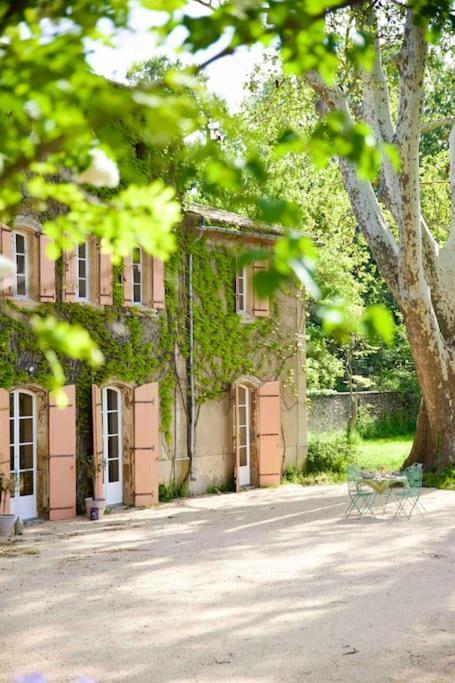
(245, 470)
(140, 270)
(87, 272)
(25, 254)
(106, 434)
(242, 277)
(16, 418)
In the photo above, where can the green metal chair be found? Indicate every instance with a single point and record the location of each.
(408, 498)
(360, 500)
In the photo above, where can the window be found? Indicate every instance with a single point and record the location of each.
(20, 285)
(82, 274)
(137, 275)
(242, 296)
(23, 453)
(248, 303)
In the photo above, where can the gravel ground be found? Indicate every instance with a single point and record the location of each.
(266, 585)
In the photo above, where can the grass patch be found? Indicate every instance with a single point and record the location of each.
(391, 452)
(329, 454)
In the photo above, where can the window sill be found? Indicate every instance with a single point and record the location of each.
(22, 301)
(246, 318)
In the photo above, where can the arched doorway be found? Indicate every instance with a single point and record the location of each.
(244, 434)
(257, 443)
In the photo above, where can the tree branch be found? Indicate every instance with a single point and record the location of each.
(438, 123)
(363, 199)
(411, 66)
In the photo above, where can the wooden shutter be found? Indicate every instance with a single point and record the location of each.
(106, 279)
(146, 444)
(235, 437)
(128, 281)
(4, 442)
(46, 271)
(6, 244)
(261, 307)
(69, 265)
(269, 434)
(98, 454)
(62, 458)
(157, 283)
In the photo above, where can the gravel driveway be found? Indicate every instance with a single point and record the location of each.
(266, 585)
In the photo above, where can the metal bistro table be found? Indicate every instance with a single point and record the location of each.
(382, 485)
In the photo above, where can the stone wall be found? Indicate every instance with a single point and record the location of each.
(329, 413)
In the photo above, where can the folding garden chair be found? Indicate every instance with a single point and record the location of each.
(408, 498)
(360, 500)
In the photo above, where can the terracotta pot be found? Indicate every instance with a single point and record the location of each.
(7, 524)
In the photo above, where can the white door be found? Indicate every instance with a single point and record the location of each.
(23, 453)
(112, 446)
(244, 413)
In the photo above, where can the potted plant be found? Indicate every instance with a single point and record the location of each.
(7, 486)
(95, 502)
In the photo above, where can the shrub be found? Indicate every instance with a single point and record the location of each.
(326, 461)
(440, 480)
(399, 423)
(329, 455)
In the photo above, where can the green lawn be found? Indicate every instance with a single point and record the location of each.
(390, 452)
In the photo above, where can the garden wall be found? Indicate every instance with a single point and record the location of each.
(329, 413)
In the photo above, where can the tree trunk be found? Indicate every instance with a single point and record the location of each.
(434, 440)
(424, 447)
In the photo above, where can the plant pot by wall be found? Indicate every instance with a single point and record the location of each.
(99, 503)
(88, 506)
(7, 524)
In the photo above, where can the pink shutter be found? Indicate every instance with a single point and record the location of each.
(128, 281)
(62, 458)
(235, 428)
(6, 243)
(69, 264)
(106, 280)
(269, 434)
(146, 444)
(261, 307)
(157, 283)
(98, 454)
(4, 443)
(46, 271)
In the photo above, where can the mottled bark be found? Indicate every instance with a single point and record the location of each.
(420, 274)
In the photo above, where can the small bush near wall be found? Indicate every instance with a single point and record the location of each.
(326, 462)
(397, 423)
(440, 480)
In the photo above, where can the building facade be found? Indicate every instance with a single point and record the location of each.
(203, 383)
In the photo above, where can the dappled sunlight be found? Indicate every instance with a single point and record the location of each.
(233, 587)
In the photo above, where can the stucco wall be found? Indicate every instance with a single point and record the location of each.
(213, 463)
(330, 413)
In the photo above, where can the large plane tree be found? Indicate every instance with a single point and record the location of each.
(381, 179)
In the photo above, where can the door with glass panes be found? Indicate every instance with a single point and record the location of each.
(23, 454)
(112, 445)
(244, 435)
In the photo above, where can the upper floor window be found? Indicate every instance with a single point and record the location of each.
(20, 257)
(82, 274)
(242, 291)
(248, 303)
(137, 275)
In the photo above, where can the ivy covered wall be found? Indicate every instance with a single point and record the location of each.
(142, 347)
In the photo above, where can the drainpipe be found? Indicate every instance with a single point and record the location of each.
(191, 434)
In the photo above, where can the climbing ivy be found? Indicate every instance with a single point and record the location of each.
(140, 347)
